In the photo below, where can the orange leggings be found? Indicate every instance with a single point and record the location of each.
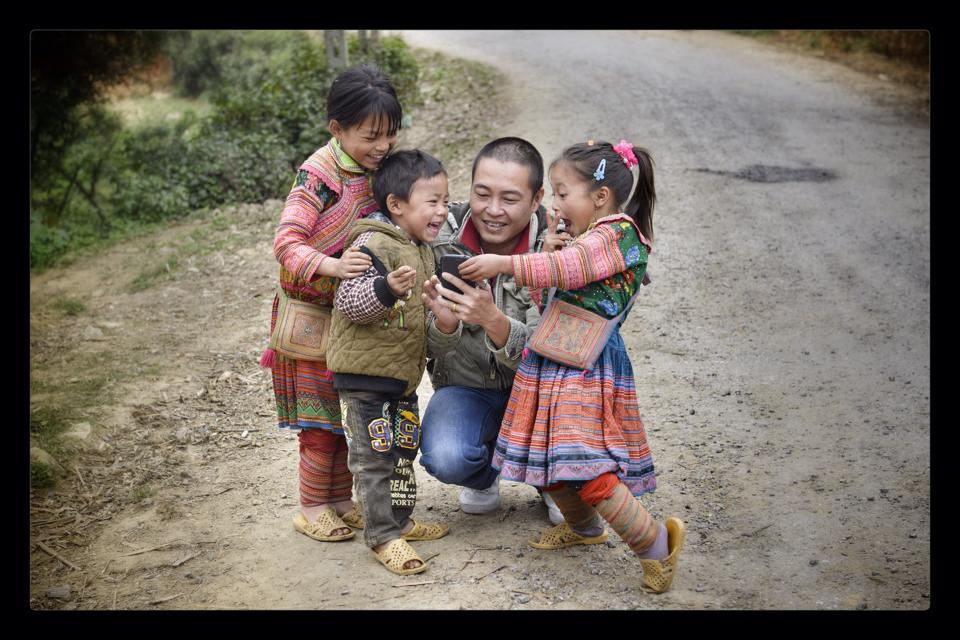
(593, 491)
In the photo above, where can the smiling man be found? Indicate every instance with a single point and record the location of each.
(473, 377)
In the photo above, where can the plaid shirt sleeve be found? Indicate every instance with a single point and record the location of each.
(357, 298)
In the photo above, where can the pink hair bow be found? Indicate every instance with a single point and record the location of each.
(625, 149)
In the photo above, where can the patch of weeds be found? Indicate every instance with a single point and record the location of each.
(88, 391)
(70, 306)
(41, 475)
(448, 84)
(154, 275)
(203, 243)
(141, 493)
(46, 425)
(220, 223)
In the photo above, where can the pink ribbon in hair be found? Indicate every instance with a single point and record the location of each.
(625, 149)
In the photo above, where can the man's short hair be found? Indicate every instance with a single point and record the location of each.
(399, 171)
(517, 150)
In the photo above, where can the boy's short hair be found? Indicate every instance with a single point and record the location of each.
(518, 150)
(399, 171)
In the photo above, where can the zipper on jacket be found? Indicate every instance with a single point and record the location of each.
(497, 299)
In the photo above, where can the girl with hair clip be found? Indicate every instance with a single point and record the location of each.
(331, 191)
(575, 431)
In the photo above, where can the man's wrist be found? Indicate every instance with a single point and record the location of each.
(439, 327)
(498, 329)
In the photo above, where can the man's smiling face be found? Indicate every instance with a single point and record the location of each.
(501, 203)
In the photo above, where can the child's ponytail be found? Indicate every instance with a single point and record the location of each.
(640, 207)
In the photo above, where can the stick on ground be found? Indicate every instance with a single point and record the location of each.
(139, 551)
(58, 556)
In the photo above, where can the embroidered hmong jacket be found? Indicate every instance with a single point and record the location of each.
(331, 191)
(600, 271)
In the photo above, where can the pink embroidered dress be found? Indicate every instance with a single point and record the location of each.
(563, 423)
(331, 191)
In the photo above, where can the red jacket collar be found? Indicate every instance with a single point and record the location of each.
(470, 238)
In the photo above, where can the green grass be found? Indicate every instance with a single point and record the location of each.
(47, 423)
(211, 234)
(903, 55)
(155, 274)
(142, 493)
(41, 475)
(157, 109)
(70, 306)
(449, 83)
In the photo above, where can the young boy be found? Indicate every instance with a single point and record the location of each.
(378, 348)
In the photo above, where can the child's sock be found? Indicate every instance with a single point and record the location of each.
(659, 549)
(627, 516)
(582, 518)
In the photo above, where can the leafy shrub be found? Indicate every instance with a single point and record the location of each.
(41, 475)
(394, 58)
(202, 60)
(267, 92)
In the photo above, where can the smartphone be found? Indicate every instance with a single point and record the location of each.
(450, 263)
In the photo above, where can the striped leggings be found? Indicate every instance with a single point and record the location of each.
(324, 476)
(607, 497)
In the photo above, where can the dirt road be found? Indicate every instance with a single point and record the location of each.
(782, 354)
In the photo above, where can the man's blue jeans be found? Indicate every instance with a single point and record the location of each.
(460, 428)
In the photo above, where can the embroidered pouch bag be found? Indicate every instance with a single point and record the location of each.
(302, 329)
(571, 335)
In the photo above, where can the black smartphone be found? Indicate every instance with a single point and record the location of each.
(450, 263)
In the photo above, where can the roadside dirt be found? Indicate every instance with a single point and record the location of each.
(804, 478)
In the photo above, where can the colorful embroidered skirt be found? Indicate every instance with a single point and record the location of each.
(304, 393)
(568, 424)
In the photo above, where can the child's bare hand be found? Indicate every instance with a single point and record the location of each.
(554, 241)
(551, 239)
(485, 266)
(352, 264)
(402, 280)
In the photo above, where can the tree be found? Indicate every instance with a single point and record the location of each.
(69, 71)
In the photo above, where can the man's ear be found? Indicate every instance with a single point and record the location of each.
(393, 205)
(537, 199)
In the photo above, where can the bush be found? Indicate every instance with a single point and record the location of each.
(41, 475)
(394, 58)
(288, 102)
(268, 94)
(202, 60)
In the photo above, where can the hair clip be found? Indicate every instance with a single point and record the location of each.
(598, 174)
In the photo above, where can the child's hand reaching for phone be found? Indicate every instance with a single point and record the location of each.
(485, 266)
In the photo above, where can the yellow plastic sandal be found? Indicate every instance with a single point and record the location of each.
(353, 519)
(323, 527)
(658, 574)
(396, 554)
(426, 531)
(562, 536)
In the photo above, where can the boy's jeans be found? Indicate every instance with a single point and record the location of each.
(383, 436)
(460, 428)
